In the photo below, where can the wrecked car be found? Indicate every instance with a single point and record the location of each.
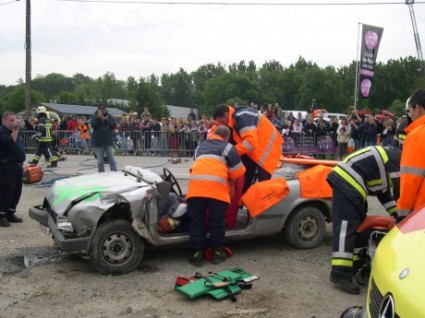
(110, 217)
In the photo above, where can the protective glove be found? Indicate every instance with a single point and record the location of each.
(398, 218)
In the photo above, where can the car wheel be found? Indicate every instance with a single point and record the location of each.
(305, 228)
(116, 248)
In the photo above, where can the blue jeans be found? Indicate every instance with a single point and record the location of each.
(109, 151)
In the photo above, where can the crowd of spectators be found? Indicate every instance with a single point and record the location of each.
(180, 136)
(358, 128)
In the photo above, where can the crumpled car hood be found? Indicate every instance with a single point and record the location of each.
(105, 187)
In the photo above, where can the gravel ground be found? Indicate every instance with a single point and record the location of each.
(38, 280)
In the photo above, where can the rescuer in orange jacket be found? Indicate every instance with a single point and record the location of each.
(255, 138)
(412, 166)
(216, 164)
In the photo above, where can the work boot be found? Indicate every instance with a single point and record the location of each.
(12, 218)
(3, 220)
(33, 162)
(53, 164)
(197, 259)
(345, 282)
(218, 256)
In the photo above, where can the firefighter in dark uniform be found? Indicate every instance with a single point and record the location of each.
(405, 121)
(12, 155)
(369, 171)
(44, 138)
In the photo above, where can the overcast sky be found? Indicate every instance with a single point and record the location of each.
(135, 39)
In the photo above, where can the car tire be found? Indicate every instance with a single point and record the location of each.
(305, 228)
(116, 248)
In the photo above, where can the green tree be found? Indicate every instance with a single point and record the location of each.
(200, 77)
(229, 87)
(16, 100)
(270, 82)
(397, 108)
(67, 98)
(148, 95)
(177, 89)
(52, 85)
(110, 87)
(132, 90)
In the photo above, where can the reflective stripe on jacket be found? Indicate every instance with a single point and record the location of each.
(216, 162)
(412, 171)
(369, 172)
(44, 128)
(255, 136)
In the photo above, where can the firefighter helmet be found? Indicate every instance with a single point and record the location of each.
(41, 109)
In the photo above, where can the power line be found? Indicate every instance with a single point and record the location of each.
(3, 4)
(240, 3)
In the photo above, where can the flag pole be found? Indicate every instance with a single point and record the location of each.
(356, 84)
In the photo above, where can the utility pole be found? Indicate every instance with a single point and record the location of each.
(416, 35)
(28, 94)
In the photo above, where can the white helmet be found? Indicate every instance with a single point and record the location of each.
(407, 105)
(41, 109)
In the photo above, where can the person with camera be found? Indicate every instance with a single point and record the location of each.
(356, 122)
(12, 155)
(103, 125)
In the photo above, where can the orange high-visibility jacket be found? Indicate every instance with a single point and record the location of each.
(216, 162)
(255, 136)
(412, 169)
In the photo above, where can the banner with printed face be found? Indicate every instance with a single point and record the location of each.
(371, 38)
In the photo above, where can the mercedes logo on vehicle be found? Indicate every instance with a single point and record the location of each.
(387, 309)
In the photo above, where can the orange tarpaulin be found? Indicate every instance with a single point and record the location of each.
(313, 182)
(264, 194)
(304, 160)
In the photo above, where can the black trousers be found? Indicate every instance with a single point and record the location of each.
(253, 170)
(346, 218)
(197, 209)
(10, 186)
(45, 149)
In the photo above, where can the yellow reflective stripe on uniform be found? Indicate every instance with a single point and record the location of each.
(355, 154)
(342, 262)
(380, 153)
(383, 154)
(372, 183)
(353, 182)
(356, 258)
(392, 210)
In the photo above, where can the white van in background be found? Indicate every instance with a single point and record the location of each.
(327, 116)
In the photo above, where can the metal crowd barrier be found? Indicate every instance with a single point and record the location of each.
(174, 144)
(126, 143)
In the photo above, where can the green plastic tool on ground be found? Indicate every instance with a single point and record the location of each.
(219, 285)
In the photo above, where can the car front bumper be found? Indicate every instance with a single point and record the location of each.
(64, 243)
